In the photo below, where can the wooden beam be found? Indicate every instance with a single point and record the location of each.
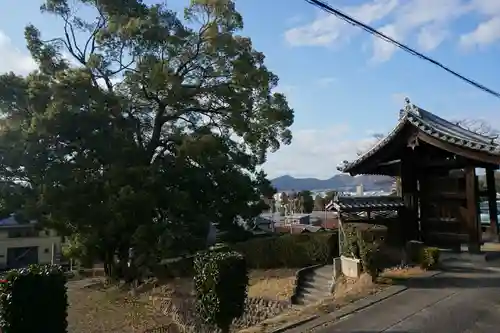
(492, 201)
(458, 163)
(409, 189)
(460, 151)
(473, 227)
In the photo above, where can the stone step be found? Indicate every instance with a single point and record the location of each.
(311, 295)
(326, 271)
(320, 287)
(315, 277)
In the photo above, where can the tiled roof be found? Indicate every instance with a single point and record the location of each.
(375, 203)
(12, 222)
(436, 127)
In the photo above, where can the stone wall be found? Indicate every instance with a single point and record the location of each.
(181, 310)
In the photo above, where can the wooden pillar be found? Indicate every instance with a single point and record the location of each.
(492, 202)
(473, 227)
(409, 189)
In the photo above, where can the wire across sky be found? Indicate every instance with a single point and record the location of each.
(327, 8)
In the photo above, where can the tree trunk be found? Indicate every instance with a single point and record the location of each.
(109, 264)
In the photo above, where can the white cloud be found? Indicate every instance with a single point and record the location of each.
(327, 29)
(430, 37)
(382, 51)
(426, 23)
(13, 59)
(485, 33)
(315, 153)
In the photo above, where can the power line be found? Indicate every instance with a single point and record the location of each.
(322, 5)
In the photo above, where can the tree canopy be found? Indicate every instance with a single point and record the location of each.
(140, 127)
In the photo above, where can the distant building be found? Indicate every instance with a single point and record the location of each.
(23, 244)
(297, 219)
(297, 229)
(360, 190)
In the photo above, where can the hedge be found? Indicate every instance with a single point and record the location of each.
(429, 257)
(365, 241)
(221, 282)
(286, 251)
(290, 251)
(34, 300)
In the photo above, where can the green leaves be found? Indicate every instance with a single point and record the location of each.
(34, 300)
(137, 131)
(221, 283)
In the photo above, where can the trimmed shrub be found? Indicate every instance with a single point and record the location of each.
(290, 250)
(429, 257)
(365, 242)
(34, 300)
(221, 282)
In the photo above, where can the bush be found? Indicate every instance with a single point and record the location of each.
(221, 282)
(365, 242)
(429, 257)
(290, 251)
(34, 300)
(286, 251)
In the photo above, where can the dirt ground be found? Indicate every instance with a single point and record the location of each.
(276, 284)
(95, 308)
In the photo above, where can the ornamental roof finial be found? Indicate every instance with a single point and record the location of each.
(408, 108)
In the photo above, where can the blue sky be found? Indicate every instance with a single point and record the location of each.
(342, 83)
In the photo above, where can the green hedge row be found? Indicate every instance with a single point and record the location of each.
(34, 300)
(286, 251)
(290, 251)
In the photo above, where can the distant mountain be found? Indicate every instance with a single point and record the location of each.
(340, 182)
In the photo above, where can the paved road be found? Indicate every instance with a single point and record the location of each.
(461, 300)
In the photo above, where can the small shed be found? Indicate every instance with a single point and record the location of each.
(381, 210)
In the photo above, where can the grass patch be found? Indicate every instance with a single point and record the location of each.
(110, 310)
(275, 284)
(95, 308)
(397, 275)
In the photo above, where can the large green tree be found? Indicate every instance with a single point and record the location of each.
(140, 128)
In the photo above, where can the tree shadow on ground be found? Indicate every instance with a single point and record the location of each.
(455, 276)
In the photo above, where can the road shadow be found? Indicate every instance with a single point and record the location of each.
(455, 276)
(343, 331)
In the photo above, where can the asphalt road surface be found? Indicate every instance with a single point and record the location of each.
(461, 300)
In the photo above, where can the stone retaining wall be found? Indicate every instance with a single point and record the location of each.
(257, 310)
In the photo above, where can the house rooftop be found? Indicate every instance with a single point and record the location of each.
(12, 222)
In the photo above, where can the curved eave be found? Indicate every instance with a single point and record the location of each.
(454, 138)
(442, 135)
(461, 150)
